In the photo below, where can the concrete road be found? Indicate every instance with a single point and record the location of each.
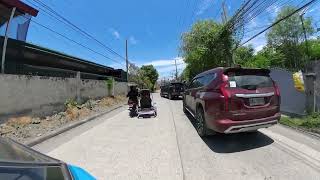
(168, 147)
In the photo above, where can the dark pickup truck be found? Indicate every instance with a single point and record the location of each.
(172, 90)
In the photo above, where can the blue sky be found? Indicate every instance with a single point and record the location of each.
(152, 27)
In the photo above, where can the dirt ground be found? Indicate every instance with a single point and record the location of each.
(23, 129)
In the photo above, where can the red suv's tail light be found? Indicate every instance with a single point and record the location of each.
(225, 78)
(277, 92)
(224, 91)
(276, 88)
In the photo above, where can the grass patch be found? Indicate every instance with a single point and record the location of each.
(308, 122)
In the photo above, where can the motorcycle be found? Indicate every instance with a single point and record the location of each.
(132, 108)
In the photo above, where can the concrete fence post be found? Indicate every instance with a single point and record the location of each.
(310, 92)
(78, 86)
(113, 84)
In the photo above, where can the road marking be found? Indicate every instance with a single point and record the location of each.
(298, 150)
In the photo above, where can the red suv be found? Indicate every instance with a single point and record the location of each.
(232, 100)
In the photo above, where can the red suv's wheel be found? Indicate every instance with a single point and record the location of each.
(201, 125)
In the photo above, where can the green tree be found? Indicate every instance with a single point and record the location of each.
(286, 36)
(313, 48)
(243, 55)
(149, 76)
(205, 46)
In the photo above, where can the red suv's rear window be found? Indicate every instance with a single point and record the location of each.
(250, 82)
(249, 79)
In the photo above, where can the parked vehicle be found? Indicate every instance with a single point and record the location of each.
(232, 100)
(172, 90)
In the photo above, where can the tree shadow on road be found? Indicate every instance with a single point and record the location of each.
(230, 143)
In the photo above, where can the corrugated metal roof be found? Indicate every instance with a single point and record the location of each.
(21, 6)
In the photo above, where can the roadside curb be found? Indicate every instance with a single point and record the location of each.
(314, 135)
(69, 126)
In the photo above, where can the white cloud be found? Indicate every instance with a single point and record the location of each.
(115, 33)
(204, 5)
(259, 48)
(169, 71)
(273, 10)
(166, 67)
(311, 10)
(253, 23)
(133, 40)
(165, 62)
(258, 43)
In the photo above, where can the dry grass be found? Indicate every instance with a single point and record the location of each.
(72, 113)
(107, 101)
(84, 112)
(19, 121)
(5, 129)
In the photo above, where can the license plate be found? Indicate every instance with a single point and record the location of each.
(256, 101)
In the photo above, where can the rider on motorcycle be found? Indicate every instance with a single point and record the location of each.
(133, 96)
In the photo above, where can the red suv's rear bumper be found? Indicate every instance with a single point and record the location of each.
(230, 126)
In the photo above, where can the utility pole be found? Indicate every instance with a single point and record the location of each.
(310, 76)
(305, 37)
(3, 58)
(175, 63)
(224, 17)
(127, 62)
(224, 12)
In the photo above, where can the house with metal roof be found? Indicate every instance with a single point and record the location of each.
(20, 57)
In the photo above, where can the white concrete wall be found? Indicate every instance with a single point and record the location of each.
(93, 89)
(40, 96)
(120, 88)
(292, 101)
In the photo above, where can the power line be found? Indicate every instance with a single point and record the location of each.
(67, 22)
(181, 20)
(275, 3)
(261, 10)
(75, 42)
(217, 12)
(257, 28)
(73, 25)
(39, 24)
(255, 8)
(280, 20)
